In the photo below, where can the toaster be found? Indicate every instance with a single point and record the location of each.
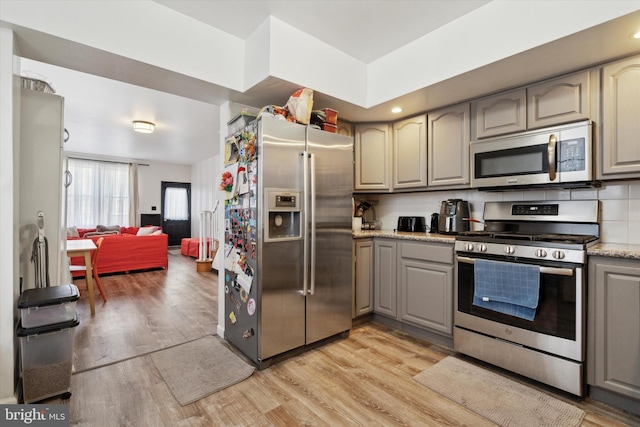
(412, 224)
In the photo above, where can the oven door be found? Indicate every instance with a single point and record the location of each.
(558, 325)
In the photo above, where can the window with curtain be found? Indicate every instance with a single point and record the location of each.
(176, 204)
(100, 194)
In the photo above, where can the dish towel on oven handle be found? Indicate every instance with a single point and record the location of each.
(507, 287)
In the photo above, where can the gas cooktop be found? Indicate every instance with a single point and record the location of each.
(485, 235)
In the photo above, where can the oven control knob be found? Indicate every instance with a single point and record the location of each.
(558, 254)
(468, 247)
(541, 253)
(509, 249)
(482, 247)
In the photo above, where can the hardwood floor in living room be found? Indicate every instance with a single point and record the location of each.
(365, 379)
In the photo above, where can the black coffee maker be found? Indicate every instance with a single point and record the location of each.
(452, 216)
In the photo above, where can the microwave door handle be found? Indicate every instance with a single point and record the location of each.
(546, 270)
(551, 155)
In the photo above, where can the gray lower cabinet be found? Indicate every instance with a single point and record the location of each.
(413, 284)
(613, 349)
(425, 280)
(385, 278)
(364, 274)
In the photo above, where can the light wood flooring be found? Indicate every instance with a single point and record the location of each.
(364, 380)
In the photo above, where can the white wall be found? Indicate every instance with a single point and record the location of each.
(9, 284)
(225, 115)
(620, 203)
(149, 183)
(204, 178)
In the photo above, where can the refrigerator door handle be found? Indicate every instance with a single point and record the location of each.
(312, 273)
(305, 240)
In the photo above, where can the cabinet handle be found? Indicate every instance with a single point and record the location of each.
(68, 179)
(65, 138)
(546, 270)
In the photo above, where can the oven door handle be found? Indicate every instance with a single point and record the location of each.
(544, 270)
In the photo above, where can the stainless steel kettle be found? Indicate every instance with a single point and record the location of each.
(452, 216)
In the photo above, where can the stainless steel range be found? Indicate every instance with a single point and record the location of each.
(520, 300)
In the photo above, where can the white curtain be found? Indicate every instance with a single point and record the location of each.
(176, 204)
(99, 194)
(134, 198)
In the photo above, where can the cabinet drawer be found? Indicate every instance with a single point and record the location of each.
(428, 252)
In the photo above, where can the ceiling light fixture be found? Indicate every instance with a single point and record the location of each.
(143, 127)
(396, 110)
(637, 35)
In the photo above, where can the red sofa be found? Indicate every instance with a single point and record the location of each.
(127, 252)
(190, 246)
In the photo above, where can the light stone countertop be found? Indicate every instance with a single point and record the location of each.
(392, 234)
(613, 250)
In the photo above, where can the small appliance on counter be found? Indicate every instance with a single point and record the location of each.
(433, 226)
(413, 224)
(453, 218)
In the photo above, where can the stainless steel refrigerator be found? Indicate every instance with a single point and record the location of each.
(287, 237)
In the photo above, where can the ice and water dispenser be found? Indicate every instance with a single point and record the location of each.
(282, 215)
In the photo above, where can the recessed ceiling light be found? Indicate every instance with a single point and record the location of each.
(637, 35)
(143, 127)
(396, 110)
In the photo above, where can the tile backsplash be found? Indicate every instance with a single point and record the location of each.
(620, 201)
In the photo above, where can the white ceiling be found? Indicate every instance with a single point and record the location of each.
(98, 110)
(364, 29)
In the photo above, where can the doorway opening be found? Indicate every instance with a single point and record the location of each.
(176, 211)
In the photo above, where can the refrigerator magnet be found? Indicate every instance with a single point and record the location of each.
(232, 317)
(251, 306)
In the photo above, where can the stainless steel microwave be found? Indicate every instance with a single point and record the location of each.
(560, 155)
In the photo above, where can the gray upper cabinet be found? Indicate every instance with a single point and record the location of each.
(410, 153)
(448, 147)
(499, 114)
(619, 156)
(344, 128)
(613, 346)
(560, 100)
(372, 157)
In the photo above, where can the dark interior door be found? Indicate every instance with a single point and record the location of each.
(176, 211)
